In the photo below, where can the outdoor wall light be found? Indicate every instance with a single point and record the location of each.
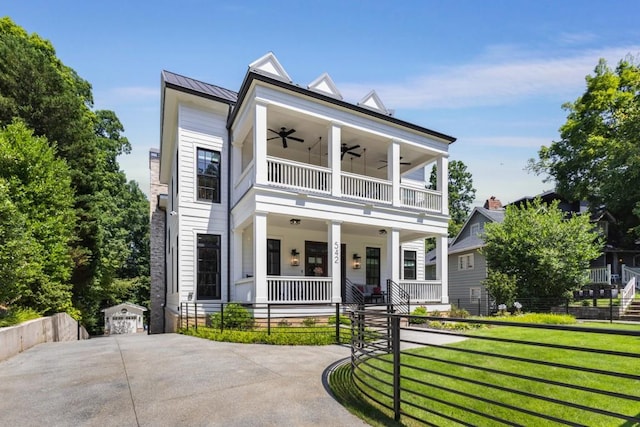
(382, 232)
(294, 221)
(295, 258)
(356, 261)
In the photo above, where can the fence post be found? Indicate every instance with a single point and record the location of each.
(395, 338)
(187, 315)
(221, 317)
(361, 325)
(338, 323)
(610, 305)
(195, 307)
(268, 319)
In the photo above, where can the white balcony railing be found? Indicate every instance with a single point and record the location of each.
(366, 188)
(299, 176)
(292, 289)
(600, 275)
(421, 198)
(423, 290)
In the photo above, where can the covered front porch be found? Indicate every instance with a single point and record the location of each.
(283, 259)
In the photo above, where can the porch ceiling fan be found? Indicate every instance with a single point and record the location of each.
(345, 149)
(285, 134)
(385, 163)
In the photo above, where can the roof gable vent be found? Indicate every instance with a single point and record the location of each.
(325, 85)
(373, 102)
(269, 64)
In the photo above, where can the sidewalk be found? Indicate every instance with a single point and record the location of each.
(169, 380)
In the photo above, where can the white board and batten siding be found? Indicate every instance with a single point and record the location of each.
(418, 247)
(200, 128)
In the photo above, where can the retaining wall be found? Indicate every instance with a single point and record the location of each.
(59, 327)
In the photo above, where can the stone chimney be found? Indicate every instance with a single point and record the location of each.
(493, 204)
(157, 237)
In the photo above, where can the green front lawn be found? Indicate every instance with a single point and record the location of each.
(280, 335)
(461, 392)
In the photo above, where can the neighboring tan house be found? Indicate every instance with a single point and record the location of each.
(283, 193)
(125, 318)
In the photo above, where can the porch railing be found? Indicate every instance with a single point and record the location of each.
(366, 188)
(301, 176)
(600, 275)
(294, 289)
(421, 198)
(628, 273)
(423, 290)
(629, 293)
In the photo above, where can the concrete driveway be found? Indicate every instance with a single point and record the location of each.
(169, 380)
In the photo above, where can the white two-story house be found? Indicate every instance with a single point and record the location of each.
(282, 193)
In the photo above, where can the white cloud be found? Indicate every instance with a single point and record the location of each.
(494, 79)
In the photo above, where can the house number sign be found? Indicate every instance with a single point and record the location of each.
(336, 252)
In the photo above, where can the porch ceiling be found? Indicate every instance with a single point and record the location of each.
(372, 149)
(310, 224)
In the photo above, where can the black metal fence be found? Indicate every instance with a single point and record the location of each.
(582, 306)
(307, 318)
(488, 372)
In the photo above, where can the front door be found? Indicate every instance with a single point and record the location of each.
(315, 258)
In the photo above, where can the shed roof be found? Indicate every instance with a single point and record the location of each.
(197, 87)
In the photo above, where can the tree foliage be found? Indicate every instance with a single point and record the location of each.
(546, 252)
(36, 223)
(461, 193)
(111, 215)
(598, 155)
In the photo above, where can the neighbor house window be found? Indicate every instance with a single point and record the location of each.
(475, 229)
(474, 295)
(273, 257)
(208, 286)
(410, 265)
(373, 266)
(208, 175)
(465, 262)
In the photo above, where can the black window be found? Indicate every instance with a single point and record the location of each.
(273, 257)
(209, 175)
(373, 266)
(410, 265)
(208, 267)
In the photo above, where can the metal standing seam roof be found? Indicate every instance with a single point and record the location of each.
(198, 87)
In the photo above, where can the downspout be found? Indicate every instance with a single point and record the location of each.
(229, 163)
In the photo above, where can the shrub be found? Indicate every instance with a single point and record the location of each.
(459, 313)
(284, 323)
(309, 322)
(234, 316)
(418, 311)
(16, 316)
(544, 318)
(344, 320)
(586, 303)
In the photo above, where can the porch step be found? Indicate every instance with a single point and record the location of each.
(631, 317)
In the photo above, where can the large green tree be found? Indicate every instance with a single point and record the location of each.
(543, 250)
(598, 155)
(461, 193)
(36, 223)
(56, 103)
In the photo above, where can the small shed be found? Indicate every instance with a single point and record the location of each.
(125, 318)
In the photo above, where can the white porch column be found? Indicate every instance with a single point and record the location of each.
(333, 145)
(393, 171)
(260, 255)
(260, 142)
(333, 261)
(236, 162)
(442, 166)
(393, 254)
(442, 265)
(236, 261)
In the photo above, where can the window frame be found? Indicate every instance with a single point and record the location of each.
(201, 176)
(466, 262)
(372, 269)
(214, 246)
(475, 299)
(412, 268)
(277, 258)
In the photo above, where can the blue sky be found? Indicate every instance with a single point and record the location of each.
(494, 74)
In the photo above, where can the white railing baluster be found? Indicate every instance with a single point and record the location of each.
(298, 289)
